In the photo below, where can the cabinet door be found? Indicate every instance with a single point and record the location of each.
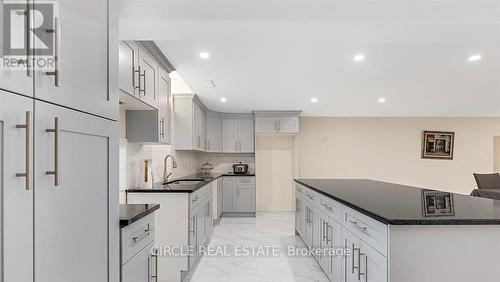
(197, 126)
(245, 198)
(128, 65)
(246, 136)
(373, 265)
(333, 240)
(79, 76)
(324, 260)
(230, 136)
(65, 224)
(266, 125)
(214, 128)
(16, 198)
(288, 125)
(351, 262)
(14, 79)
(219, 198)
(139, 268)
(228, 194)
(192, 236)
(164, 107)
(148, 75)
(298, 217)
(200, 225)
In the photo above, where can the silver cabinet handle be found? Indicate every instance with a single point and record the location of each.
(363, 228)
(162, 128)
(27, 170)
(236, 146)
(279, 125)
(240, 146)
(194, 225)
(55, 172)
(142, 236)
(209, 145)
(323, 229)
(27, 14)
(155, 275)
(360, 254)
(138, 72)
(328, 233)
(353, 251)
(57, 40)
(143, 75)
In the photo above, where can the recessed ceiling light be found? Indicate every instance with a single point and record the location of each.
(359, 58)
(223, 100)
(204, 55)
(314, 100)
(474, 58)
(381, 100)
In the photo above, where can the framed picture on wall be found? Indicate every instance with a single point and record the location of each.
(437, 203)
(438, 145)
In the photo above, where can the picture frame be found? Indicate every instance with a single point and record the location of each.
(438, 145)
(437, 203)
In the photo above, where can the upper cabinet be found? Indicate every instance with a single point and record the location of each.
(277, 122)
(238, 135)
(81, 59)
(197, 128)
(145, 94)
(74, 56)
(190, 115)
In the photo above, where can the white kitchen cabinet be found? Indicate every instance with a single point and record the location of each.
(164, 87)
(140, 268)
(238, 136)
(330, 238)
(13, 79)
(373, 264)
(129, 68)
(148, 78)
(214, 135)
(199, 127)
(16, 197)
(71, 227)
(190, 123)
(83, 56)
(276, 122)
(352, 262)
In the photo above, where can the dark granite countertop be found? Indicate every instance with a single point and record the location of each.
(132, 213)
(404, 205)
(188, 188)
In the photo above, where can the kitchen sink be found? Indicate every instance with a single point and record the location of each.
(184, 182)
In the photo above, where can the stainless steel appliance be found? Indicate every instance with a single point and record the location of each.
(240, 168)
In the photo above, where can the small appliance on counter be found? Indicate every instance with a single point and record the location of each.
(206, 168)
(240, 168)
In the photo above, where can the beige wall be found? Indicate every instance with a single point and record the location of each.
(274, 169)
(497, 153)
(389, 149)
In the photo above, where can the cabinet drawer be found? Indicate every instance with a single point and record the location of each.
(136, 236)
(331, 208)
(310, 196)
(369, 230)
(196, 197)
(299, 191)
(245, 180)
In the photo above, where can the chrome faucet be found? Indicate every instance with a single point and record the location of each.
(174, 165)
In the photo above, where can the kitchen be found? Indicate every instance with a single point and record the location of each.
(233, 141)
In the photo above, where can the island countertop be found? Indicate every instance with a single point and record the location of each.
(130, 213)
(396, 204)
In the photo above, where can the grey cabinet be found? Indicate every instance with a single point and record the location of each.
(279, 122)
(238, 194)
(164, 88)
(140, 268)
(238, 136)
(199, 117)
(129, 68)
(330, 238)
(85, 50)
(190, 123)
(214, 135)
(16, 197)
(148, 78)
(69, 144)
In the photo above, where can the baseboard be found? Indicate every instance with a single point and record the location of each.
(275, 209)
(238, 214)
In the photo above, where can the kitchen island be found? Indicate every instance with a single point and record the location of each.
(398, 233)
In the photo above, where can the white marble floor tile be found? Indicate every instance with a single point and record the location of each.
(266, 229)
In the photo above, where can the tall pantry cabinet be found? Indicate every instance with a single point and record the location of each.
(59, 155)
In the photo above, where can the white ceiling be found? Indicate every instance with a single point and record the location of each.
(277, 54)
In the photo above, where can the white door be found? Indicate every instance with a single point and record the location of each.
(214, 134)
(351, 262)
(148, 91)
(78, 79)
(373, 265)
(266, 125)
(16, 197)
(164, 107)
(288, 125)
(129, 72)
(246, 136)
(75, 171)
(14, 79)
(230, 135)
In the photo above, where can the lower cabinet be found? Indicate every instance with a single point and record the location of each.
(322, 232)
(140, 267)
(238, 194)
